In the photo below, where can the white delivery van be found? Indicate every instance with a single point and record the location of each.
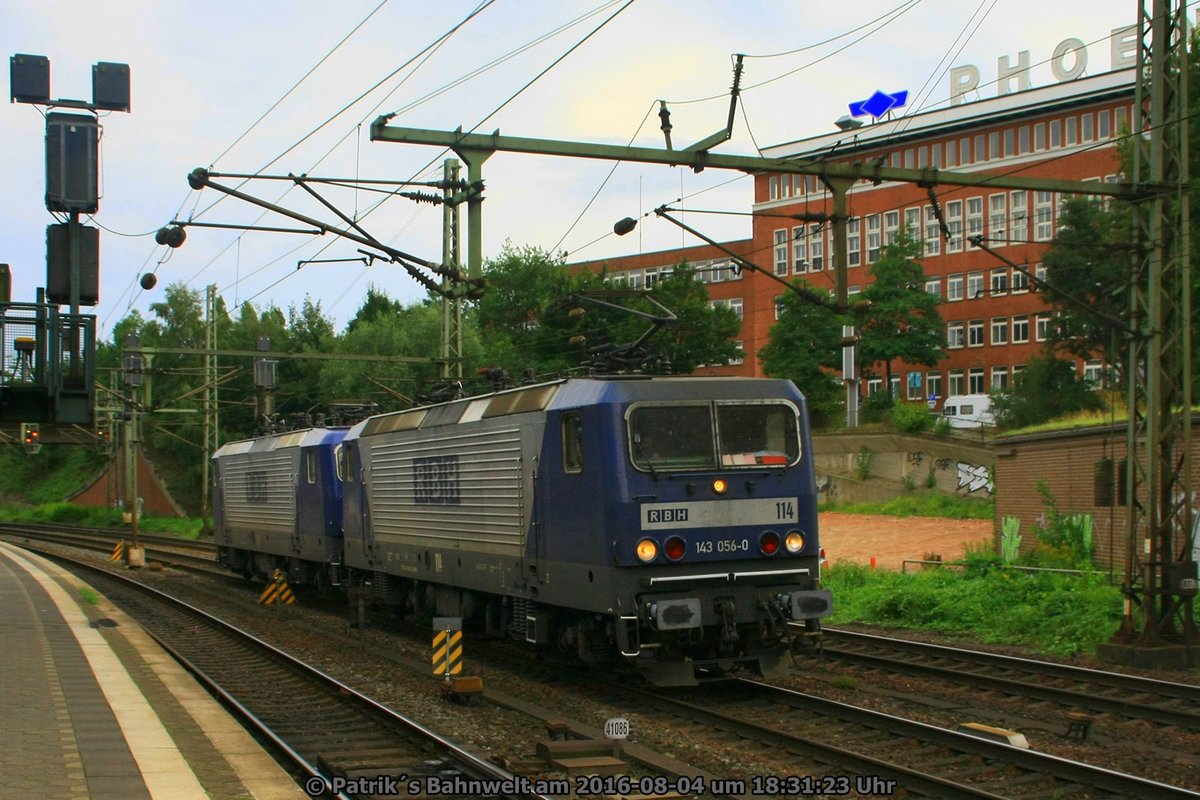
(968, 411)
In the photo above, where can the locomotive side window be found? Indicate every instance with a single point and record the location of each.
(671, 437)
(572, 436)
(757, 434)
(310, 465)
(339, 461)
(346, 464)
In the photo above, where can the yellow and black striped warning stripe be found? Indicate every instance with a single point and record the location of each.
(277, 592)
(447, 652)
(118, 553)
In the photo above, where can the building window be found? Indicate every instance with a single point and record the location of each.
(1093, 372)
(909, 159)
(716, 272)
(799, 250)
(999, 379)
(998, 222)
(799, 184)
(874, 386)
(781, 252)
(954, 287)
(891, 226)
(974, 216)
(922, 157)
(933, 233)
(1039, 136)
(1018, 228)
(1023, 139)
(1088, 132)
(979, 154)
(933, 384)
(735, 304)
(1039, 271)
(1041, 327)
(1016, 370)
(974, 285)
(1118, 120)
(912, 222)
(975, 380)
(951, 155)
(993, 145)
(736, 360)
(874, 238)
(853, 288)
(957, 385)
(1000, 280)
(914, 386)
(934, 286)
(1043, 216)
(635, 279)
(954, 335)
(1102, 125)
(1055, 133)
(1072, 127)
(1009, 150)
(778, 306)
(999, 330)
(964, 151)
(1020, 329)
(651, 277)
(853, 242)
(954, 221)
(975, 333)
(773, 192)
(1020, 282)
(816, 247)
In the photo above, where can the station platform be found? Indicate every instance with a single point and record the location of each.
(94, 708)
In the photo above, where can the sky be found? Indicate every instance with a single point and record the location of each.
(203, 74)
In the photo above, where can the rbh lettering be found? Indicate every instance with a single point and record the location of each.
(667, 515)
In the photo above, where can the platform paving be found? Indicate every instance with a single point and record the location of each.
(94, 708)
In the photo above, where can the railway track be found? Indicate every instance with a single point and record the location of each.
(329, 732)
(1123, 696)
(172, 550)
(845, 748)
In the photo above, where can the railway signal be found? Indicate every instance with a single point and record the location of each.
(31, 437)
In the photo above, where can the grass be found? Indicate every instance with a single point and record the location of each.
(1057, 615)
(921, 505)
(71, 514)
(89, 597)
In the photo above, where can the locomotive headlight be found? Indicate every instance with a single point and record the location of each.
(794, 542)
(647, 550)
(720, 486)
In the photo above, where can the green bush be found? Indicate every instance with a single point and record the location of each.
(876, 407)
(922, 505)
(1057, 614)
(911, 417)
(862, 463)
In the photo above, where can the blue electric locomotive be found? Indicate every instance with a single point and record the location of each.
(277, 504)
(670, 520)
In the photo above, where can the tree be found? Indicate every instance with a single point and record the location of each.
(1089, 267)
(804, 346)
(525, 322)
(901, 320)
(1045, 389)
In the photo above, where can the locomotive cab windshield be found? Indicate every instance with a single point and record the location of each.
(709, 436)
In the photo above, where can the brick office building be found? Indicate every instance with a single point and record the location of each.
(995, 323)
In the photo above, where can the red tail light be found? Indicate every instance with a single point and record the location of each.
(675, 548)
(768, 543)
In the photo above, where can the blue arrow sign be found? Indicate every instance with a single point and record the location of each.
(879, 103)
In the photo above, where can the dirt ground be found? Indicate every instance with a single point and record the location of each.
(891, 540)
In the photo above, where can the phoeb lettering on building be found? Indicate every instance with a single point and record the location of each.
(1068, 61)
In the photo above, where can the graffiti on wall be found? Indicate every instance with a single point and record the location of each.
(974, 477)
